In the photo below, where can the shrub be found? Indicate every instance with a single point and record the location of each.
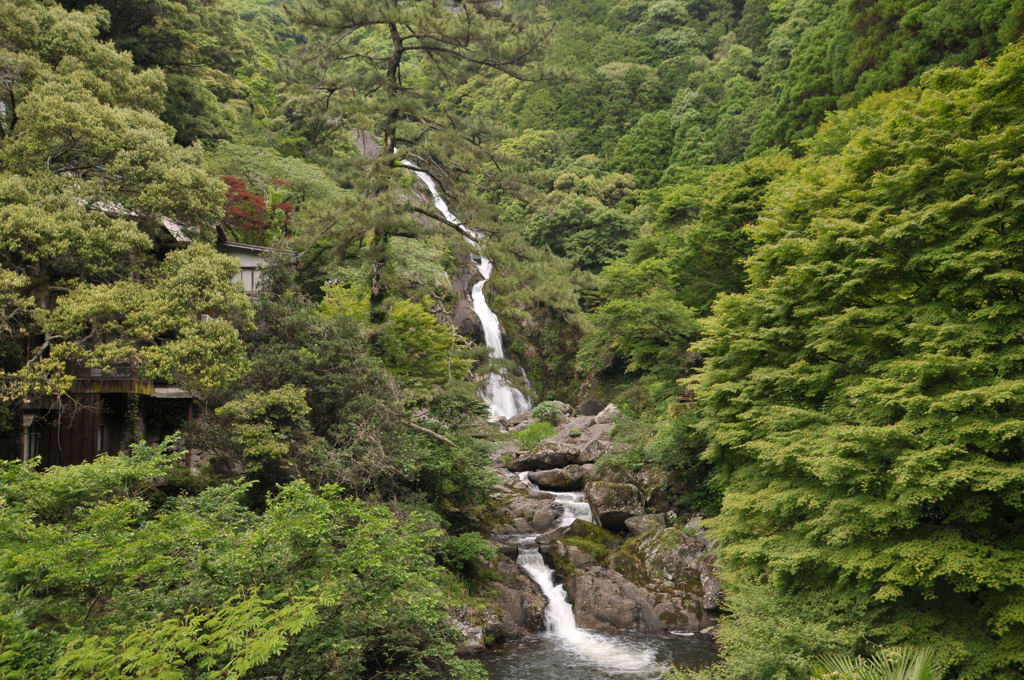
(547, 410)
(534, 434)
(461, 552)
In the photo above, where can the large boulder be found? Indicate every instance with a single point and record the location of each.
(612, 503)
(592, 450)
(549, 455)
(578, 423)
(667, 554)
(569, 478)
(474, 642)
(605, 600)
(607, 414)
(525, 515)
(643, 523)
(591, 407)
(520, 600)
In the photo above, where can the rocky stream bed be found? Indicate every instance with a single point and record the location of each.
(641, 583)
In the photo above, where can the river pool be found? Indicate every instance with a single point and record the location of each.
(599, 656)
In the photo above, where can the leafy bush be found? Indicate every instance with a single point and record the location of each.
(313, 587)
(887, 664)
(574, 432)
(547, 410)
(461, 552)
(535, 434)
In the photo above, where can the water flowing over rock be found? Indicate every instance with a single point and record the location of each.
(503, 399)
(654, 580)
(561, 621)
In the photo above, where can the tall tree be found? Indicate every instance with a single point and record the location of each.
(864, 395)
(381, 67)
(88, 173)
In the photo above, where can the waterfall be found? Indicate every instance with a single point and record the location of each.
(573, 504)
(503, 399)
(592, 648)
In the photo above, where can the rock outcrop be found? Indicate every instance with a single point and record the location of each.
(546, 456)
(569, 478)
(605, 600)
(607, 414)
(612, 503)
(641, 523)
(520, 600)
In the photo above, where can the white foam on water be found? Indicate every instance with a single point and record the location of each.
(503, 399)
(601, 651)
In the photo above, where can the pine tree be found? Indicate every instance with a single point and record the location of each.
(380, 67)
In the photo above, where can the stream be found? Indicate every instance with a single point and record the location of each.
(566, 652)
(503, 399)
(563, 651)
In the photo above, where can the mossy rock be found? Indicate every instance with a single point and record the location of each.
(592, 532)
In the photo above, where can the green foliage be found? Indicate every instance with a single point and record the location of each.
(887, 664)
(861, 395)
(196, 43)
(584, 219)
(548, 411)
(462, 552)
(267, 425)
(200, 587)
(534, 434)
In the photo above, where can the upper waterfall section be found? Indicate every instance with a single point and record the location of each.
(503, 399)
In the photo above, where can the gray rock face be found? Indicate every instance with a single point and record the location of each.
(580, 423)
(605, 600)
(641, 523)
(520, 600)
(548, 456)
(607, 414)
(569, 478)
(710, 583)
(526, 515)
(593, 450)
(466, 320)
(474, 642)
(612, 503)
(591, 407)
(666, 554)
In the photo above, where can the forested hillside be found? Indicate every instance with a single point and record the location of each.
(784, 237)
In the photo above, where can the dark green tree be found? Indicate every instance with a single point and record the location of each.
(863, 397)
(375, 67)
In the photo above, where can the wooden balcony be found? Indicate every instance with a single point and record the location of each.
(117, 379)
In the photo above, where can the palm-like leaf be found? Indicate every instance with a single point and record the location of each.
(890, 664)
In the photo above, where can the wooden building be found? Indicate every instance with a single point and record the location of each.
(107, 410)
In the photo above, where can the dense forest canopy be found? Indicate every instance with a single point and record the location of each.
(782, 235)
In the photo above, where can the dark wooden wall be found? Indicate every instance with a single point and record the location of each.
(69, 436)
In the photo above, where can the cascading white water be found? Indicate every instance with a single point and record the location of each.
(592, 648)
(573, 504)
(503, 399)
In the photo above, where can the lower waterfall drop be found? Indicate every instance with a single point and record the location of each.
(591, 648)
